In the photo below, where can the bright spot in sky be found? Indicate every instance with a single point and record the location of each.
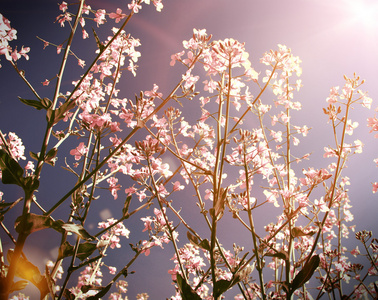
(365, 12)
(105, 214)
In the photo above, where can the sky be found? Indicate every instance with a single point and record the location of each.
(332, 38)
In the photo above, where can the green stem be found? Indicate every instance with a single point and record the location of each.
(251, 223)
(170, 231)
(336, 177)
(124, 141)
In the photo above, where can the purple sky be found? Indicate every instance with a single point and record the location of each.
(332, 38)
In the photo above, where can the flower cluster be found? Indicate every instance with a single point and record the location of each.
(111, 237)
(8, 34)
(157, 228)
(234, 153)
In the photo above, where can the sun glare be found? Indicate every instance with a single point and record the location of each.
(365, 12)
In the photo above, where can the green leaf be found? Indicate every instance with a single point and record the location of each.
(65, 250)
(67, 294)
(31, 183)
(185, 290)
(19, 285)
(220, 203)
(79, 230)
(223, 285)
(50, 115)
(33, 103)
(281, 254)
(59, 113)
(46, 102)
(102, 293)
(11, 171)
(203, 244)
(85, 250)
(285, 287)
(55, 115)
(59, 134)
(4, 207)
(34, 155)
(305, 274)
(125, 209)
(193, 239)
(98, 42)
(296, 232)
(50, 157)
(31, 223)
(57, 225)
(26, 270)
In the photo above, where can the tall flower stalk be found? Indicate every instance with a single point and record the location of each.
(216, 141)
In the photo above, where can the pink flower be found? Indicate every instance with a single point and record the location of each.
(20, 296)
(190, 80)
(11, 35)
(350, 127)
(208, 194)
(366, 100)
(329, 152)
(175, 57)
(46, 82)
(147, 223)
(85, 34)
(82, 21)
(81, 63)
(79, 151)
(158, 5)
(146, 247)
(334, 93)
(160, 216)
(15, 55)
(45, 44)
(100, 16)
(63, 7)
(112, 235)
(376, 161)
(59, 49)
(113, 186)
(210, 86)
(276, 135)
(355, 252)
(118, 16)
(373, 123)
(375, 187)
(112, 270)
(177, 186)
(4, 22)
(154, 92)
(63, 18)
(303, 130)
(115, 296)
(15, 145)
(29, 167)
(134, 7)
(132, 67)
(130, 191)
(190, 59)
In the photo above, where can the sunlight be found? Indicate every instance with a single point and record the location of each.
(364, 12)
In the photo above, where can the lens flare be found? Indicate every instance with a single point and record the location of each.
(365, 12)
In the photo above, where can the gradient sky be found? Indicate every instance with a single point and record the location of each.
(332, 38)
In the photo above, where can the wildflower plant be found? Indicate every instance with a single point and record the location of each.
(238, 157)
